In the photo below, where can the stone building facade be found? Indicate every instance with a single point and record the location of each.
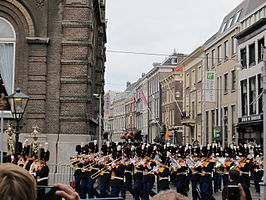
(192, 96)
(251, 41)
(59, 56)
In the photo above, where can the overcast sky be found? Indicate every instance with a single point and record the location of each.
(156, 26)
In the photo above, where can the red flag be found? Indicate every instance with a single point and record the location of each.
(142, 96)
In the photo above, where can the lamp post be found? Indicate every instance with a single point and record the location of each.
(99, 96)
(18, 102)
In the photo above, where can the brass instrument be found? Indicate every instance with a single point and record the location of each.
(104, 169)
(219, 168)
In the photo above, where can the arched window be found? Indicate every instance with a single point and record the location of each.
(7, 61)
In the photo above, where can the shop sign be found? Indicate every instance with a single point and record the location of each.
(210, 86)
(250, 118)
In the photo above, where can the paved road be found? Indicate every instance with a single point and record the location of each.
(217, 196)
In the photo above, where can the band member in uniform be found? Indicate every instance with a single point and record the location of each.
(148, 174)
(117, 175)
(105, 173)
(163, 174)
(77, 174)
(138, 173)
(195, 177)
(181, 174)
(129, 167)
(258, 171)
(206, 176)
(245, 166)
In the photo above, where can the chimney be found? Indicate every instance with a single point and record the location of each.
(128, 84)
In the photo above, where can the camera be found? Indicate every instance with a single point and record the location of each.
(47, 193)
(233, 192)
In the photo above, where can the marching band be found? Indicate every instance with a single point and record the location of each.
(137, 166)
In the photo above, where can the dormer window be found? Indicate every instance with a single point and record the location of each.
(224, 26)
(237, 16)
(174, 60)
(229, 24)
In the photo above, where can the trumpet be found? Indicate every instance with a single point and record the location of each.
(104, 169)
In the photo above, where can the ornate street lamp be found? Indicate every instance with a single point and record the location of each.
(18, 102)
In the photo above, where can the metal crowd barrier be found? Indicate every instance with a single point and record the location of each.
(60, 174)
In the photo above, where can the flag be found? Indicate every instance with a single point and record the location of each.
(142, 96)
(166, 136)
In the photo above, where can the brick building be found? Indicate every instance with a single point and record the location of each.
(56, 56)
(172, 104)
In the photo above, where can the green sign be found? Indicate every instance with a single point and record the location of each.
(217, 131)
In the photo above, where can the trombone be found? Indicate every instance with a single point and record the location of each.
(104, 169)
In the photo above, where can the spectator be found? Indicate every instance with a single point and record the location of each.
(169, 195)
(244, 193)
(16, 183)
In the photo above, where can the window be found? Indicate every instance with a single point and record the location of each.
(252, 96)
(7, 54)
(244, 100)
(260, 51)
(193, 109)
(260, 89)
(187, 79)
(252, 60)
(207, 60)
(213, 119)
(233, 80)
(226, 50)
(193, 78)
(187, 105)
(199, 102)
(199, 73)
(229, 23)
(224, 26)
(237, 16)
(213, 58)
(225, 126)
(243, 56)
(233, 40)
(225, 83)
(233, 118)
(207, 127)
(219, 54)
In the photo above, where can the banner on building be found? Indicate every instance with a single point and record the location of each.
(210, 86)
